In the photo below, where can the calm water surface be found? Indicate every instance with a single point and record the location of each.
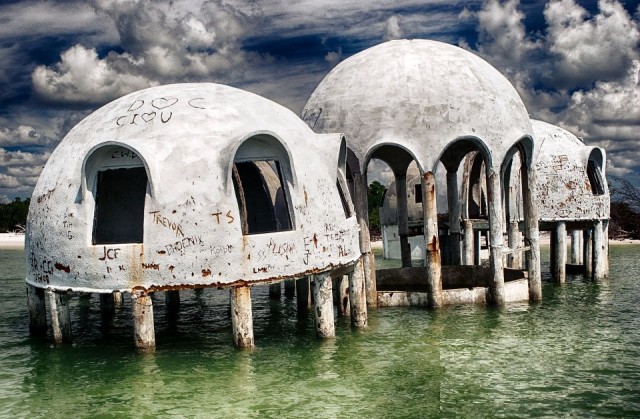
(575, 354)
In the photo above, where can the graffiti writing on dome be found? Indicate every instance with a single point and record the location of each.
(141, 112)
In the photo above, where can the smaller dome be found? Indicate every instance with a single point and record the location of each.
(570, 176)
(421, 95)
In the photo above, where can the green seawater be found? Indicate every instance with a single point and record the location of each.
(575, 354)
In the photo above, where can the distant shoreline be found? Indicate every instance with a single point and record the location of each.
(16, 241)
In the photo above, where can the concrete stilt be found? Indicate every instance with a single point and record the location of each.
(289, 288)
(477, 248)
(496, 247)
(241, 317)
(172, 300)
(143, 327)
(362, 212)
(513, 234)
(531, 233)
(60, 316)
(432, 244)
(599, 251)
(303, 294)
(560, 253)
(468, 243)
(453, 199)
(107, 305)
(605, 225)
(576, 247)
(344, 309)
(323, 293)
(37, 311)
(275, 291)
(403, 218)
(587, 255)
(553, 242)
(357, 296)
(117, 299)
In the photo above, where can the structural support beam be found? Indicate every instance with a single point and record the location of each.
(275, 291)
(143, 328)
(432, 244)
(560, 253)
(289, 288)
(303, 294)
(599, 251)
(360, 189)
(514, 259)
(496, 246)
(344, 309)
(588, 252)
(455, 207)
(60, 316)
(468, 243)
(242, 317)
(403, 218)
(37, 311)
(357, 296)
(576, 247)
(531, 233)
(323, 296)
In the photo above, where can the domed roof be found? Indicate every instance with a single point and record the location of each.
(185, 148)
(570, 176)
(419, 94)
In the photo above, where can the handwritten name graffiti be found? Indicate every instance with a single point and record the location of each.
(160, 108)
(181, 245)
(332, 242)
(229, 218)
(45, 196)
(41, 268)
(153, 266)
(164, 221)
(560, 162)
(67, 225)
(124, 154)
(109, 253)
(281, 249)
(221, 249)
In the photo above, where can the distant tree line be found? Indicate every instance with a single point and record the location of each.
(13, 216)
(625, 209)
(375, 195)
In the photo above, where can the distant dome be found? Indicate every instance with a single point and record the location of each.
(420, 94)
(189, 185)
(570, 176)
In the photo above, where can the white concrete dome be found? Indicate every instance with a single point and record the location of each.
(421, 95)
(570, 176)
(189, 185)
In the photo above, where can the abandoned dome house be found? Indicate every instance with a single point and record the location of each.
(192, 186)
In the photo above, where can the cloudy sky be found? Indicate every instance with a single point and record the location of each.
(575, 63)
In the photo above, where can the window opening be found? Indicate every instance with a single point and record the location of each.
(343, 199)
(119, 210)
(261, 197)
(417, 193)
(595, 178)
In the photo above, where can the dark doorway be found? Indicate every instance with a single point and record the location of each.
(119, 213)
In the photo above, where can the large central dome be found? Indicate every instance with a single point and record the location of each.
(419, 94)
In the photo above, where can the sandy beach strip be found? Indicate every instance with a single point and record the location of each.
(11, 241)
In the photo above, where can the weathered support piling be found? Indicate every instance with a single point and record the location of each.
(289, 288)
(37, 311)
(560, 253)
(172, 300)
(357, 296)
(242, 317)
(531, 233)
(599, 251)
(432, 245)
(403, 219)
(576, 247)
(344, 309)
(513, 237)
(587, 255)
(143, 327)
(275, 291)
(496, 246)
(323, 296)
(468, 243)
(477, 248)
(360, 191)
(60, 316)
(453, 199)
(107, 305)
(303, 294)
